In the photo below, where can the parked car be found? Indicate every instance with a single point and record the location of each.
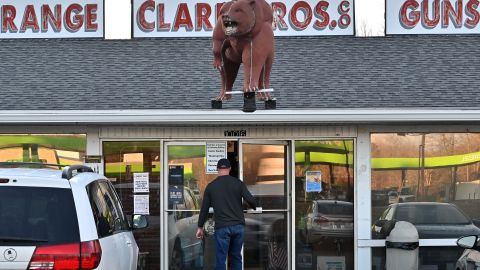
(328, 219)
(407, 195)
(379, 198)
(53, 219)
(432, 220)
(470, 259)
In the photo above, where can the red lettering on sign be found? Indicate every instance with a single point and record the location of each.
(183, 18)
(409, 20)
(448, 11)
(344, 20)
(436, 14)
(8, 16)
(322, 15)
(91, 17)
(162, 26)
(471, 11)
(203, 12)
(307, 11)
(73, 24)
(279, 12)
(141, 20)
(29, 20)
(55, 20)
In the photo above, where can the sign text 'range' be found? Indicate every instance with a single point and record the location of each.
(432, 17)
(51, 19)
(155, 18)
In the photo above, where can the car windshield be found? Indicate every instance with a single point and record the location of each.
(431, 214)
(335, 209)
(37, 216)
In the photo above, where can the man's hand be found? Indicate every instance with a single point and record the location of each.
(200, 233)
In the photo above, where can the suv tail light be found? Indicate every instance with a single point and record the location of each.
(84, 256)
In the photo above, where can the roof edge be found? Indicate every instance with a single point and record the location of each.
(233, 116)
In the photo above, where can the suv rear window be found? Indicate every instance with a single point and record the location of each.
(431, 214)
(335, 209)
(37, 216)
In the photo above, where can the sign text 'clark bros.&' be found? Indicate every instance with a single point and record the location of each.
(432, 17)
(51, 18)
(196, 18)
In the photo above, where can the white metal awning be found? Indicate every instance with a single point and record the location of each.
(237, 116)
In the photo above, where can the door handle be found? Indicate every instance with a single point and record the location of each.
(257, 210)
(128, 242)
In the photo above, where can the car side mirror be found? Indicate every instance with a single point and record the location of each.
(139, 222)
(467, 241)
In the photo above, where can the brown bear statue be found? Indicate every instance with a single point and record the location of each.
(243, 34)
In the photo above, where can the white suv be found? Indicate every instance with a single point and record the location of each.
(53, 219)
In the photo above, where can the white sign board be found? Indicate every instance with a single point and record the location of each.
(141, 204)
(432, 17)
(140, 182)
(215, 151)
(180, 18)
(51, 19)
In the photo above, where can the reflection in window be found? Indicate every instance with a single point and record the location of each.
(441, 258)
(64, 149)
(442, 169)
(122, 160)
(324, 203)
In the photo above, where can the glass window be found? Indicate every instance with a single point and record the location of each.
(433, 179)
(124, 159)
(324, 202)
(106, 209)
(53, 149)
(42, 216)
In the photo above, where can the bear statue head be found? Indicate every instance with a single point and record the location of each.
(239, 17)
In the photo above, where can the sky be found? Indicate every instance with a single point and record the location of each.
(369, 18)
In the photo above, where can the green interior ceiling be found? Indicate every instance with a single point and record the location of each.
(76, 143)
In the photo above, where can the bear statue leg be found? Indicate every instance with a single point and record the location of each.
(252, 66)
(221, 94)
(266, 76)
(261, 85)
(231, 71)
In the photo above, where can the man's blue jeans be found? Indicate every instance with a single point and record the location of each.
(229, 241)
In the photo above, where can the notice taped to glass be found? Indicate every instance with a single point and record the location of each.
(140, 182)
(215, 151)
(141, 204)
(175, 184)
(313, 181)
(175, 175)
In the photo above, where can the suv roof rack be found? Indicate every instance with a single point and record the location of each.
(25, 164)
(67, 172)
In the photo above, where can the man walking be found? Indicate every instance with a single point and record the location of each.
(225, 195)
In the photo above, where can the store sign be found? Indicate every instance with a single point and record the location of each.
(161, 18)
(51, 19)
(432, 17)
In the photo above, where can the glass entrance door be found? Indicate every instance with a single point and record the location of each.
(264, 167)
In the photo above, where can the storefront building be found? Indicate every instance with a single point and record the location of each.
(360, 124)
